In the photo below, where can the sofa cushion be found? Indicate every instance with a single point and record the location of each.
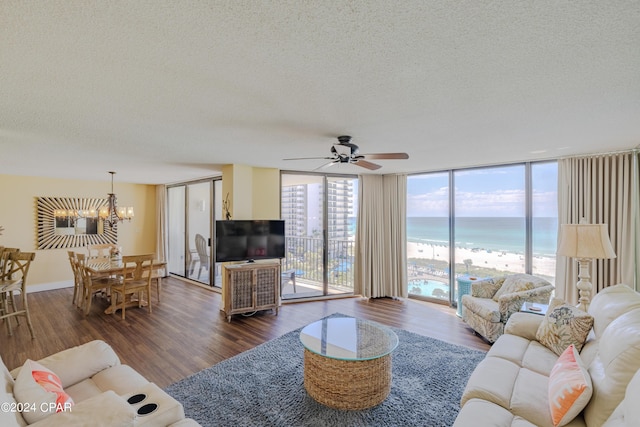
(569, 387)
(529, 397)
(564, 325)
(518, 283)
(9, 417)
(41, 391)
(610, 303)
(524, 325)
(630, 407)
(122, 379)
(492, 380)
(617, 362)
(525, 353)
(83, 390)
(104, 410)
(78, 363)
(6, 380)
(480, 413)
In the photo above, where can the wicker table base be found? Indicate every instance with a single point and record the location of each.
(347, 384)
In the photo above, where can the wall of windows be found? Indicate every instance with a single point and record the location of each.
(490, 221)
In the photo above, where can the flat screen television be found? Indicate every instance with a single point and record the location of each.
(248, 240)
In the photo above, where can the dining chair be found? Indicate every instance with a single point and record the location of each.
(4, 268)
(157, 275)
(15, 279)
(137, 272)
(102, 250)
(77, 279)
(4, 259)
(92, 283)
(203, 255)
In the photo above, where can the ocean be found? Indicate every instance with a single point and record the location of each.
(497, 234)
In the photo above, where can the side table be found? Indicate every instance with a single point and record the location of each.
(534, 308)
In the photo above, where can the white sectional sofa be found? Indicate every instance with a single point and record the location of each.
(510, 387)
(92, 376)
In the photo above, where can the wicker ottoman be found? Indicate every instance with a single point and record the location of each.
(347, 362)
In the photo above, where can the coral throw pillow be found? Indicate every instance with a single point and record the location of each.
(569, 387)
(40, 391)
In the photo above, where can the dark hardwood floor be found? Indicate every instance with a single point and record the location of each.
(187, 332)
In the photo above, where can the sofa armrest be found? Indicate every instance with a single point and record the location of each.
(105, 409)
(524, 325)
(79, 363)
(512, 302)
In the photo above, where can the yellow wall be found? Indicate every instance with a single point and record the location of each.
(254, 193)
(266, 193)
(51, 267)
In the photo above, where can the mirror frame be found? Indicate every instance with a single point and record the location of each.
(47, 239)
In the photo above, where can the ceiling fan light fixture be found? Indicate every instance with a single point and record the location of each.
(347, 152)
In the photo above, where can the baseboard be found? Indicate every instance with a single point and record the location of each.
(49, 286)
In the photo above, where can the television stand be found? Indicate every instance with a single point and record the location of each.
(250, 286)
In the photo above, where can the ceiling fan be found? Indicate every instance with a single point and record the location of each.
(347, 152)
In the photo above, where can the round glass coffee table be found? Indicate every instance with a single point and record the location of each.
(347, 362)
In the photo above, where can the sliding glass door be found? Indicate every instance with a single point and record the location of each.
(191, 215)
(320, 225)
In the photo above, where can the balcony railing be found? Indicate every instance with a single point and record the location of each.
(304, 256)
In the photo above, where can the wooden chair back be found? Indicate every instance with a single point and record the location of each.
(19, 267)
(137, 268)
(102, 250)
(137, 272)
(4, 262)
(16, 273)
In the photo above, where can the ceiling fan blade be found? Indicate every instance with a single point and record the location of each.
(367, 165)
(325, 166)
(387, 156)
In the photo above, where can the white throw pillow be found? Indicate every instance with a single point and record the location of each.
(39, 392)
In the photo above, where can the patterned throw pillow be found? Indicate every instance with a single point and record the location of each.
(564, 325)
(486, 288)
(515, 283)
(569, 387)
(40, 391)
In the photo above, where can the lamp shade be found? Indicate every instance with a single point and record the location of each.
(585, 241)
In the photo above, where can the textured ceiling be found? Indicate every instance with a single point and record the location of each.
(163, 91)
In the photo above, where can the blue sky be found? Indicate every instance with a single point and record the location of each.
(490, 192)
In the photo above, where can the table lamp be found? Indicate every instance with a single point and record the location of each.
(585, 242)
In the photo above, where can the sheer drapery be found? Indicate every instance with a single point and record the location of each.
(600, 189)
(381, 260)
(161, 223)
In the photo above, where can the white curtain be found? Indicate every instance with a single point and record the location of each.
(600, 189)
(162, 249)
(381, 245)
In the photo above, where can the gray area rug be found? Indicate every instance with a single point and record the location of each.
(264, 387)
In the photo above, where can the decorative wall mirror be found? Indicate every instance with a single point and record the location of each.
(65, 222)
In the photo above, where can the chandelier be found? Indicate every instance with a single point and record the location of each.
(112, 213)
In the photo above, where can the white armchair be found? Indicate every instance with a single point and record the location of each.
(492, 301)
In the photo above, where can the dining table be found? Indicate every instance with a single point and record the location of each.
(113, 266)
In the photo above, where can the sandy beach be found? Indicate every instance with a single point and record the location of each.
(501, 261)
